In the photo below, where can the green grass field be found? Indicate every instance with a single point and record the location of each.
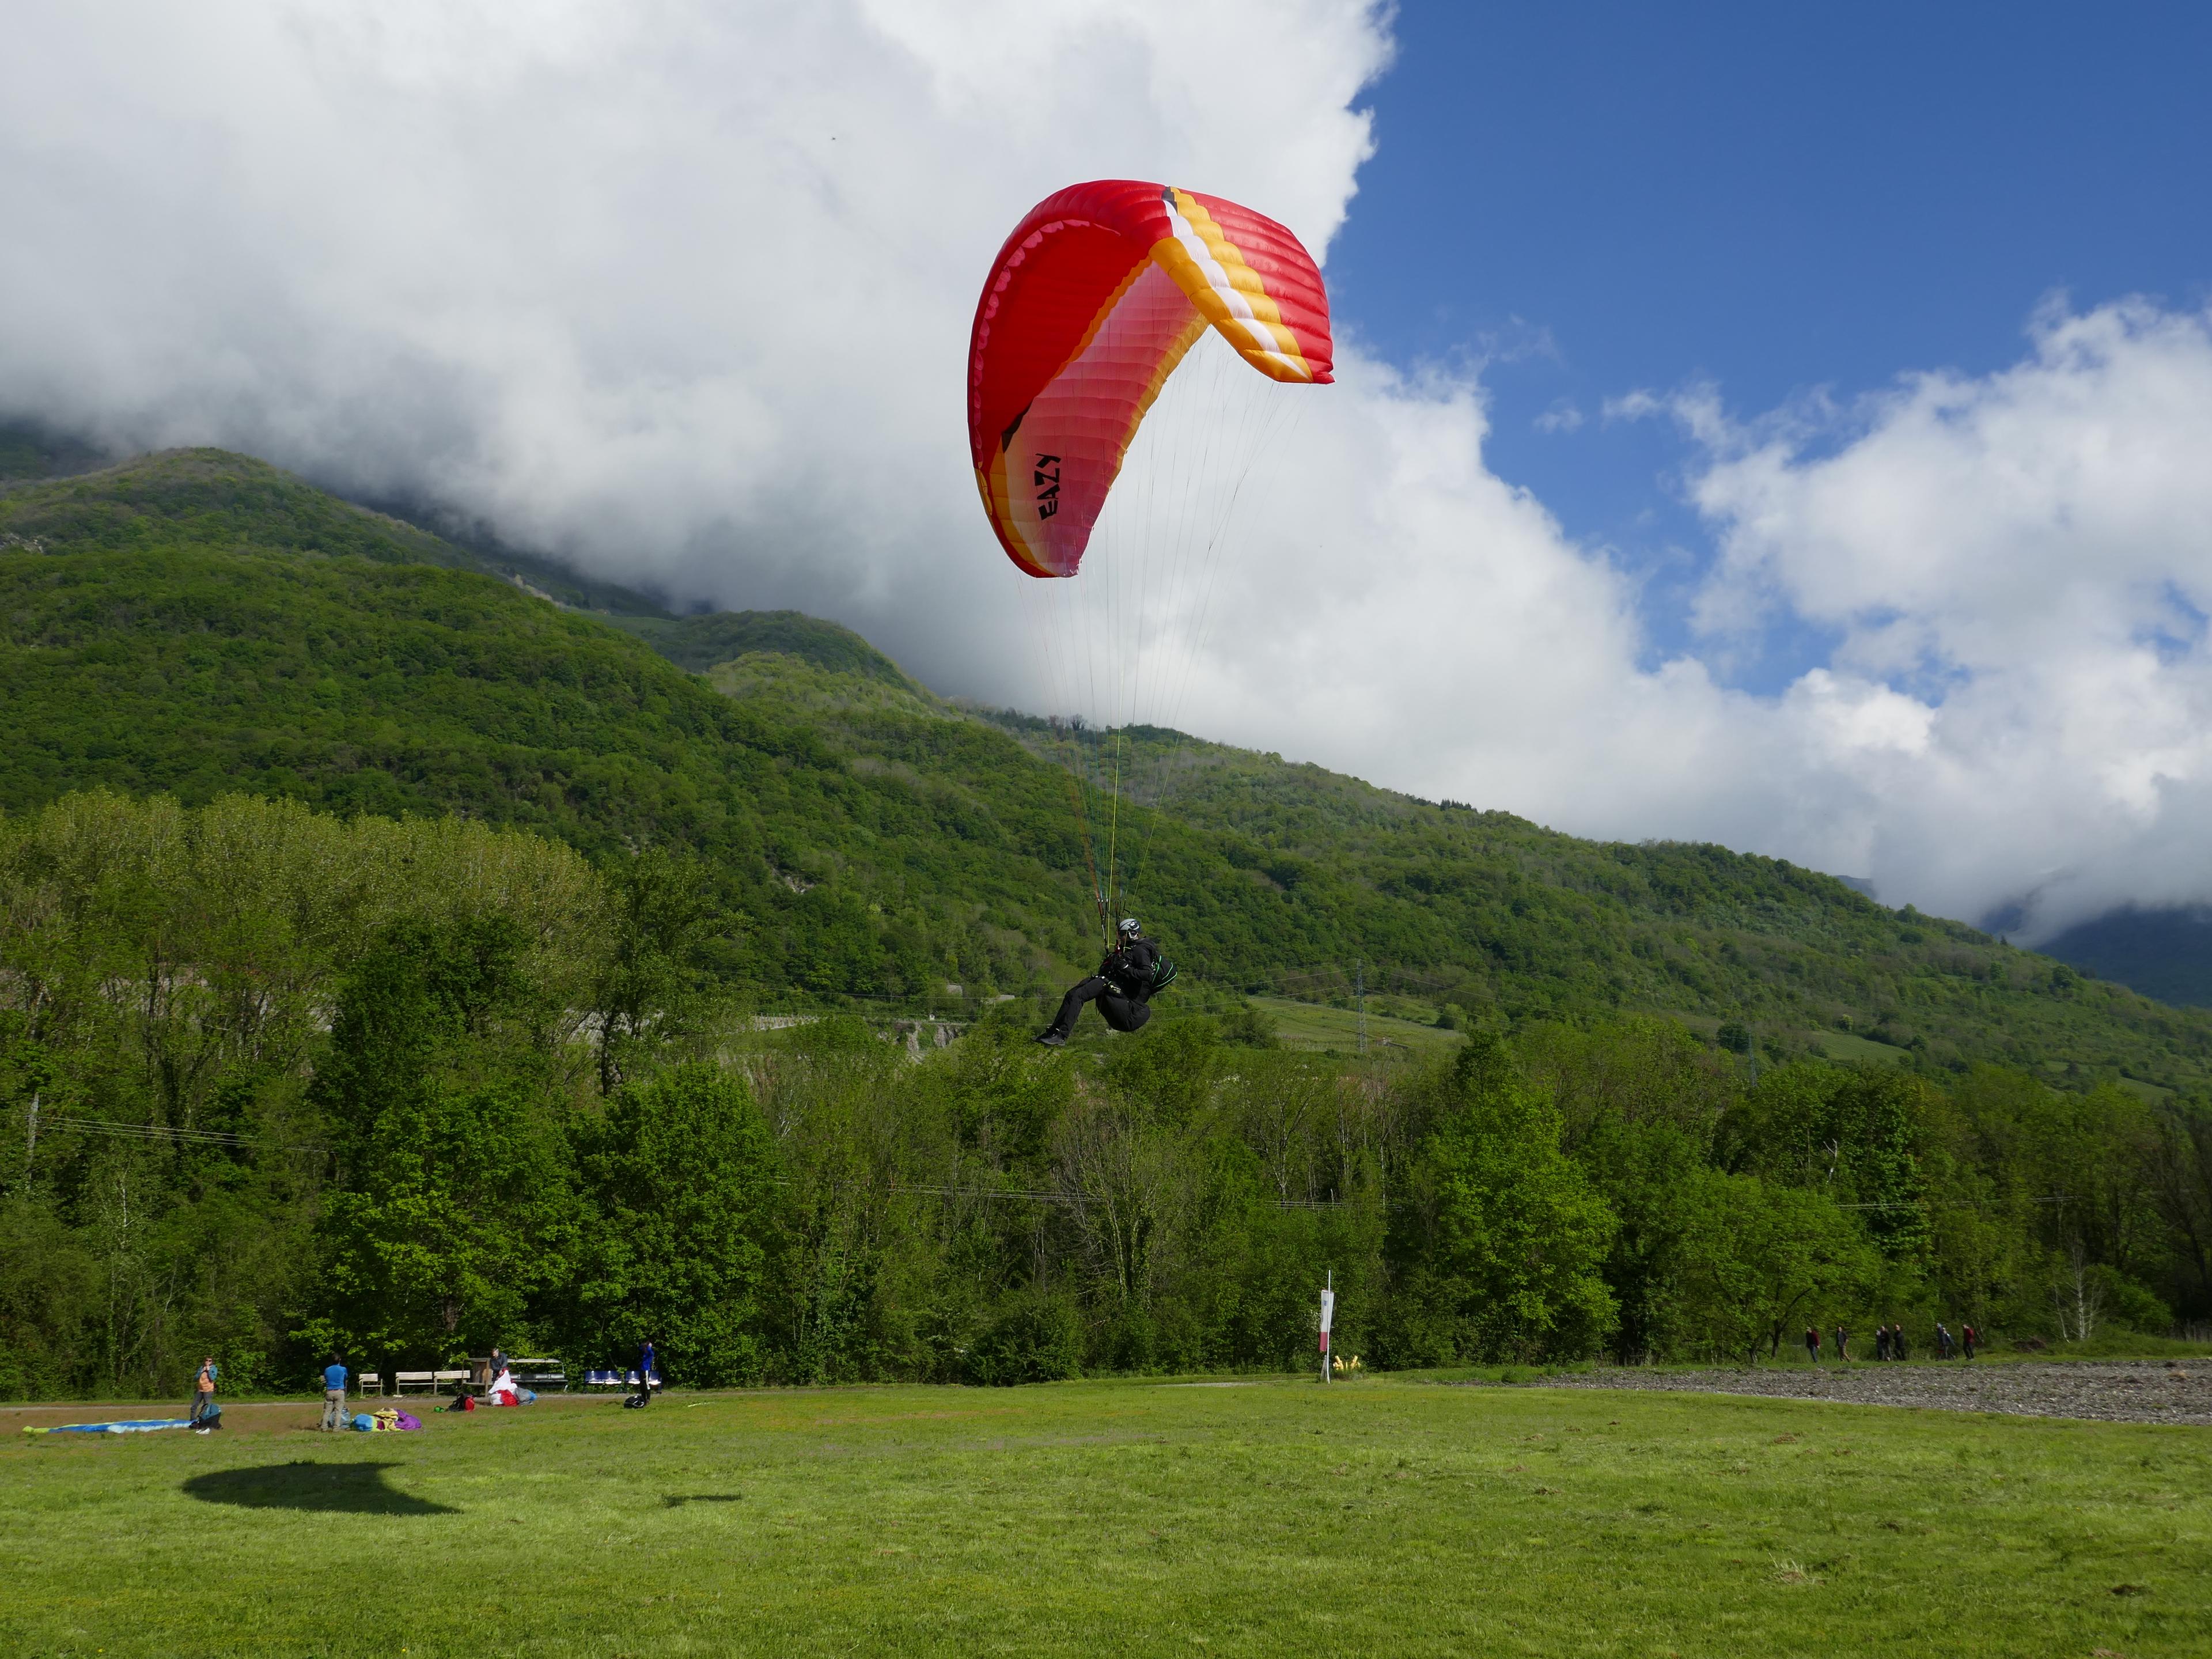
(1378, 1517)
(1316, 1026)
(1854, 1050)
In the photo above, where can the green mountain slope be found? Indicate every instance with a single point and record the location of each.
(1559, 924)
(206, 497)
(2164, 952)
(198, 623)
(28, 451)
(699, 643)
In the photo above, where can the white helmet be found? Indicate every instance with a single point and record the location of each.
(1129, 925)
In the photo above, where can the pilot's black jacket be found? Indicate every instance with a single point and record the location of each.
(1129, 970)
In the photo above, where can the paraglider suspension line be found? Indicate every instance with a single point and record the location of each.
(1113, 836)
(1090, 848)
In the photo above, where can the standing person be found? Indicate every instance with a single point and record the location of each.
(203, 1391)
(1881, 1342)
(1971, 1337)
(1897, 1344)
(645, 1372)
(1813, 1344)
(334, 1394)
(1842, 1345)
(1942, 1340)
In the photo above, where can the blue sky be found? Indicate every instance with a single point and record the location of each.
(1597, 199)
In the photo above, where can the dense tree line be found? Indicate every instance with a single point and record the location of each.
(275, 1083)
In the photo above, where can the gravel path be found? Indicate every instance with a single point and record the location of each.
(2140, 1391)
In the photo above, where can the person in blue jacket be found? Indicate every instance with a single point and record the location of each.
(334, 1394)
(645, 1363)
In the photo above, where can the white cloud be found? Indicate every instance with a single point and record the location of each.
(680, 289)
(683, 290)
(1563, 416)
(2025, 555)
(2018, 569)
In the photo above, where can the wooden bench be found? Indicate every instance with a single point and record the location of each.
(539, 1374)
(430, 1381)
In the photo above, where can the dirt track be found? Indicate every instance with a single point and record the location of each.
(2126, 1391)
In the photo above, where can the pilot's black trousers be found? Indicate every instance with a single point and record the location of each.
(1123, 1013)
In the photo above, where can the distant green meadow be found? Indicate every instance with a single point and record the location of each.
(1316, 1026)
(1382, 1516)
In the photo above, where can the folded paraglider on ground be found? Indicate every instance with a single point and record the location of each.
(390, 1420)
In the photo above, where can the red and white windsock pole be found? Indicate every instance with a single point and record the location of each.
(1328, 1313)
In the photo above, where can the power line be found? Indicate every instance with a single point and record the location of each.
(1950, 1204)
(182, 1136)
(1031, 1195)
(1073, 1201)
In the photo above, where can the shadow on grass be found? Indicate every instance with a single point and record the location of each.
(358, 1488)
(673, 1502)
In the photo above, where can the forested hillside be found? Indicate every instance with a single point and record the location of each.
(196, 623)
(382, 950)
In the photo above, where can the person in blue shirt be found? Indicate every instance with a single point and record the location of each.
(334, 1394)
(204, 1391)
(645, 1372)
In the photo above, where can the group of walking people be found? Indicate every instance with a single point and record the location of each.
(1890, 1343)
(1946, 1345)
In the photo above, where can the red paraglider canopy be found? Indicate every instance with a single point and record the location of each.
(1088, 309)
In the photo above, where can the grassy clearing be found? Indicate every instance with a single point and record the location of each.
(1844, 1047)
(1315, 1025)
(1382, 1516)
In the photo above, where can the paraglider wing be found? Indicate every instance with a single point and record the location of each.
(1090, 305)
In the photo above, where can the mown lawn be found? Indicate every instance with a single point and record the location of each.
(1380, 1518)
